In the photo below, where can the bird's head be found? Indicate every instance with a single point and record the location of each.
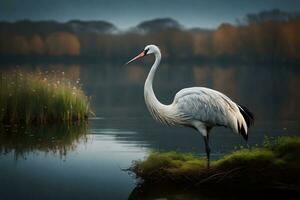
(149, 49)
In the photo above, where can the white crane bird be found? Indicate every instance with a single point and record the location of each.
(197, 107)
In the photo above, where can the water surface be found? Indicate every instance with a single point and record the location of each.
(86, 162)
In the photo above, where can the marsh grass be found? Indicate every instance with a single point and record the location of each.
(276, 165)
(40, 98)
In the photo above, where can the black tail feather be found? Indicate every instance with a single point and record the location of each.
(243, 133)
(249, 118)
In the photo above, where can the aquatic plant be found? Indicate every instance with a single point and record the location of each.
(276, 165)
(40, 98)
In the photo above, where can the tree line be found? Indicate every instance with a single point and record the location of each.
(267, 36)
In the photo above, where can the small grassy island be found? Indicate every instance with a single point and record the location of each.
(40, 98)
(276, 165)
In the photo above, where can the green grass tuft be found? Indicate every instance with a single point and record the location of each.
(287, 148)
(276, 165)
(40, 98)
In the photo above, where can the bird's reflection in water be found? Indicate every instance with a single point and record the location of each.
(58, 139)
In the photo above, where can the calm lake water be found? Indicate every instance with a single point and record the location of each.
(86, 162)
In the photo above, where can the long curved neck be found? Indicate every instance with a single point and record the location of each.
(158, 110)
(149, 94)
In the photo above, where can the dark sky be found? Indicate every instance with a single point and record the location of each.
(124, 14)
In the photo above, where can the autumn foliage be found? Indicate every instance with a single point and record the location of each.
(55, 44)
(60, 43)
(264, 37)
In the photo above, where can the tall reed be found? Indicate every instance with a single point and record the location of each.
(40, 98)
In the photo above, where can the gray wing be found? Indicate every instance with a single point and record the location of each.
(205, 105)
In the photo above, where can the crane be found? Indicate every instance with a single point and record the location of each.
(196, 107)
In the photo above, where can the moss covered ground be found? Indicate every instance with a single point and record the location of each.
(276, 165)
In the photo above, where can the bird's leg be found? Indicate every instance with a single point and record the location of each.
(207, 149)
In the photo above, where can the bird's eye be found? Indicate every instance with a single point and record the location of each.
(146, 51)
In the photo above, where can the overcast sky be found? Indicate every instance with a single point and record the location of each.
(124, 14)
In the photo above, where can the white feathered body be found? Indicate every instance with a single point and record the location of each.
(198, 107)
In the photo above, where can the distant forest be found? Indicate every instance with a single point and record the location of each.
(268, 36)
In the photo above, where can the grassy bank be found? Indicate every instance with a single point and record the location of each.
(275, 166)
(40, 98)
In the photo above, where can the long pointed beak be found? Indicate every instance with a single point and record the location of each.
(142, 54)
